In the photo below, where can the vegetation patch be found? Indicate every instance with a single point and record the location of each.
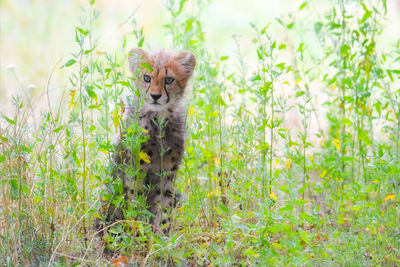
(292, 156)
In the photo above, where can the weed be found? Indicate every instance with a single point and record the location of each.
(258, 188)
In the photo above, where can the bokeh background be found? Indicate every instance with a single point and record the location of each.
(37, 36)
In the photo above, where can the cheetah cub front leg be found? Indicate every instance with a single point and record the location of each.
(162, 77)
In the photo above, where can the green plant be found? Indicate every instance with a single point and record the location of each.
(292, 151)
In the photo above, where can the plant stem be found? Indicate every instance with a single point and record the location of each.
(83, 137)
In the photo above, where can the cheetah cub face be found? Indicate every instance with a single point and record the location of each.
(162, 76)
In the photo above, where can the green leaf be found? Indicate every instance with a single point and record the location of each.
(147, 66)
(82, 31)
(396, 71)
(390, 75)
(90, 91)
(287, 207)
(69, 63)
(115, 118)
(88, 51)
(193, 42)
(303, 188)
(36, 199)
(26, 149)
(3, 138)
(124, 83)
(301, 47)
(356, 208)
(10, 121)
(281, 66)
(14, 188)
(56, 130)
(255, 78)
(140, 43)
(377, 106)
(345, 50)
(300, 202)
(290, 25)
(223, 208)
(318, 27)
(303, 5)
(282, 46)
(305, 237)
(259, 55)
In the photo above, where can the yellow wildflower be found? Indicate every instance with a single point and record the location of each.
(143, 156)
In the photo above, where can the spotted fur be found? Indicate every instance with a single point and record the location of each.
(162, 119)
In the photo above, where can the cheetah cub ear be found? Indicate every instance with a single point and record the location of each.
(135, 57)
(187, 61)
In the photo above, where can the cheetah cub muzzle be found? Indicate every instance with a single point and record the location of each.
(162, 77)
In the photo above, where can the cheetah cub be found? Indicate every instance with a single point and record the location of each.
(162, 77)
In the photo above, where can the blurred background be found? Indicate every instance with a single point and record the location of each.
(37, 36)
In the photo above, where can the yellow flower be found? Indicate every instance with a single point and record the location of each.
(215, 192)
(143, 156)
(336, 143)
(216, 160)
(72, 93)
(288, 163)
(390, 196)
(191, 110)
(272, 196)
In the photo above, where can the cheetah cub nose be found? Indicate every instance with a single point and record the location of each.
(155, 97)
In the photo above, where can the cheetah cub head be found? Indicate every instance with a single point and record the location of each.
(162, 76)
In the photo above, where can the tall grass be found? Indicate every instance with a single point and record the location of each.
(257, 190)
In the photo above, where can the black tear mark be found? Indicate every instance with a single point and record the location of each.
(132, 191)
(173, 158)
(150, 153)
(174, 168)
(158, 191)
(141, 162)
(165, 86)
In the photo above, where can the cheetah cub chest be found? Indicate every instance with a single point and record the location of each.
(162, 77)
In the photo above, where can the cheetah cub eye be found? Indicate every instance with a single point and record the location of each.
(147, 78)
(169, 80)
